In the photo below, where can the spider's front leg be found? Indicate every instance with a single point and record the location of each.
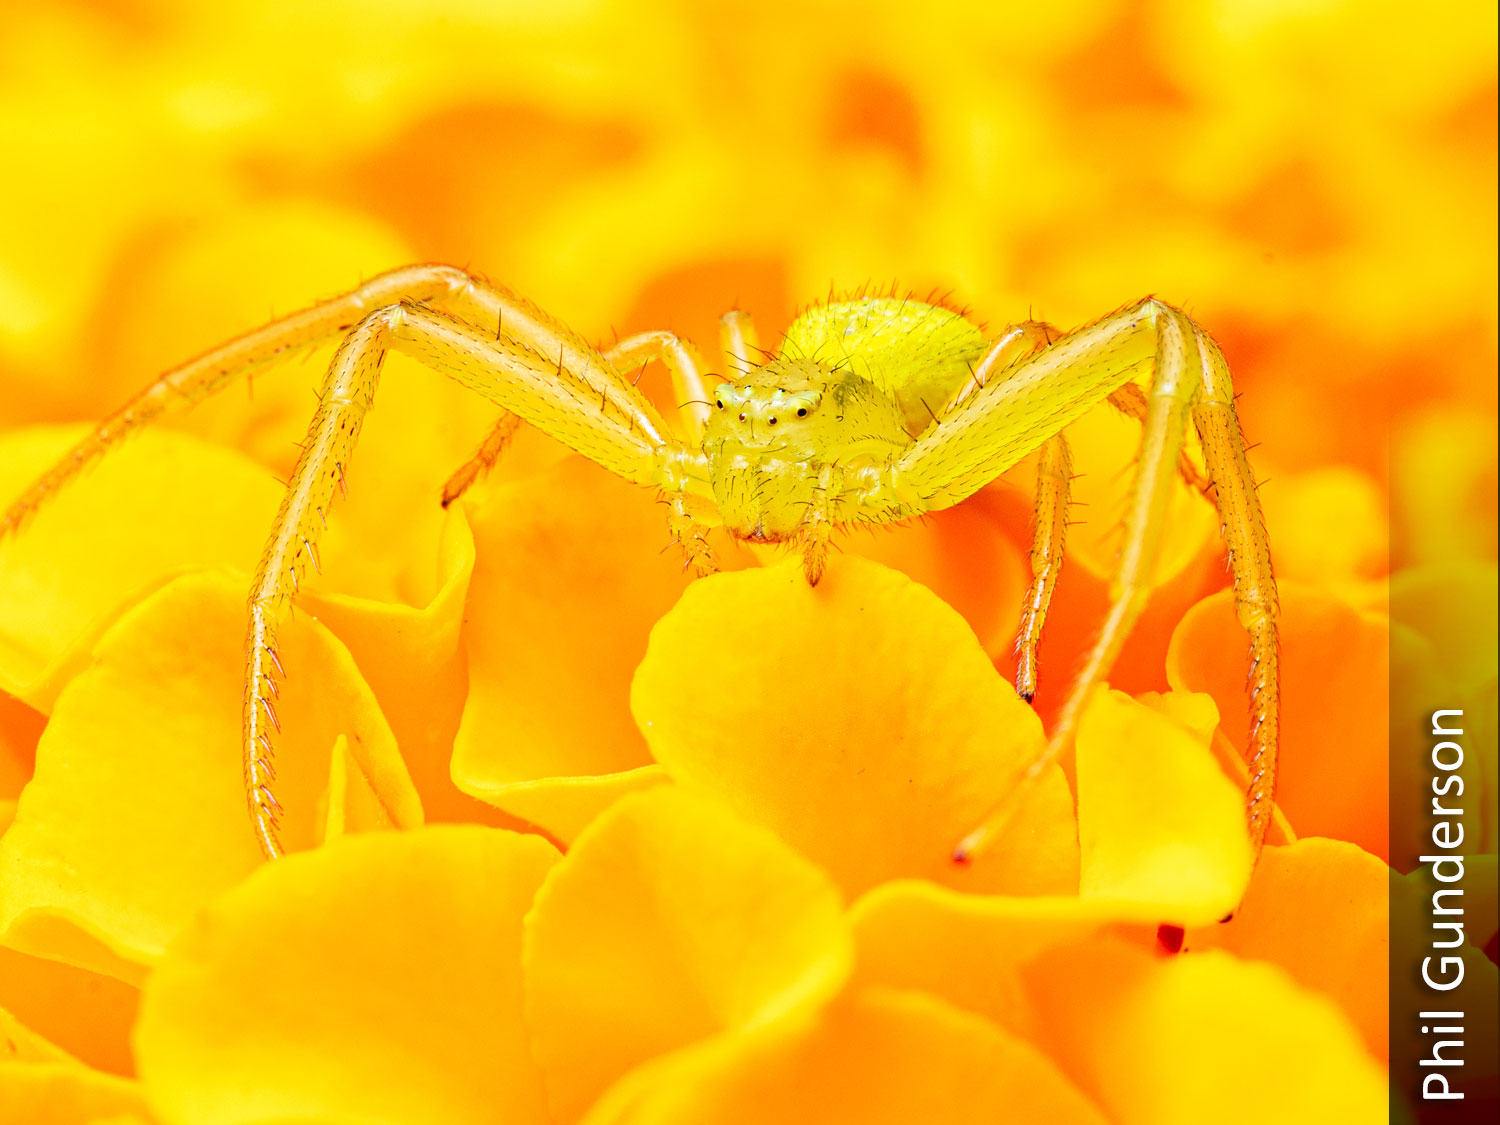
(574, 396)
(1037, 398)
(455, 291)
(680, 358)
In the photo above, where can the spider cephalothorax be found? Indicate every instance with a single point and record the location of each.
(873, 410)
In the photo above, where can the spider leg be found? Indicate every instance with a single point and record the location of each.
(557, 395)
(462, 294)
(465, 476)
(737, 339)
(681, 359)
(684, 363)
(1255, 600)
(1054, 474)
(1130, 400)
(1177, 382)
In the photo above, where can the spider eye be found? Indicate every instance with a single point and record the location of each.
(801, 412)
(720, 405)
(742, 417)
(773, 421)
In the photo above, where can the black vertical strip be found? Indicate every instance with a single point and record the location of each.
(1444, 1046)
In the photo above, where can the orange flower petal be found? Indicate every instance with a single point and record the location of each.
(1334, 684)
(570, 577)
(161, 505)
(22, 1045)
(860, 720)
(1346, 956)
(669, 921)
(100, 846)
(377, 978)
(64, 1093)
(966, 948)
(1160, 827)
(882, 1057)
(1169, 1042)
(20, 727)
(86, 1014)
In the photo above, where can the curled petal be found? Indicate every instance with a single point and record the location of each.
(570, 576)
(86, 1014)
(376, 979)
(858, 719)
(136, 814)
(880, 1057)
(669, 921)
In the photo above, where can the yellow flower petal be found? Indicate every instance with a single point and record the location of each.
(1159, 825)
(1331, 527)
(564, 806)
(964, 557)
(859, 720)
(882, 1057)
(1332, 777)
(123, 846)
(570, 577)
(413, 660)
(1346, 955)
(64, 1093)
(1206, 1037)
(669, 921)
(163, 504)
(86, 1014)
(376, 979)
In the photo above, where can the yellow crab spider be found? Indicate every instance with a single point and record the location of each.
(872, 411)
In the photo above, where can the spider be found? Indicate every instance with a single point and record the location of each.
(873, 410)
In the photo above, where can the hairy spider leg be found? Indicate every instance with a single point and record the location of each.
(1050, 522)
(1174, 385)
(555, 395)
(1181, 374)
(462, 294)
(1049, 533)
(683, 362)
(1130, 400)
(1256, 604)
(467, 475)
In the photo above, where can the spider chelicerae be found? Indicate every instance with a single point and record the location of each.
(873, 410)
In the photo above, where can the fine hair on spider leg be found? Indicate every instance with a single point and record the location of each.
(875, 410)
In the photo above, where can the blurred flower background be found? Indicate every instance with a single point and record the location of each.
(1314, 182)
